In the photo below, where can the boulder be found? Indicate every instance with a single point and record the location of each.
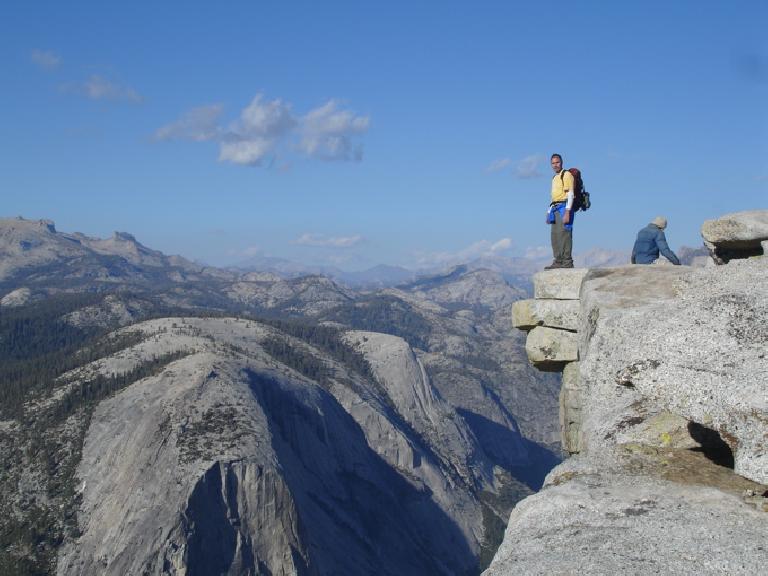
(564, 314)
(560, 284)
(737, 235)
(549, 349)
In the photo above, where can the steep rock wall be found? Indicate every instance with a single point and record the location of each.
(669, 427)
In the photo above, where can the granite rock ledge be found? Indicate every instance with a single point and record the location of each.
(664, 411)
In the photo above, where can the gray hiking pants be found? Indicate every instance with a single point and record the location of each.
(562, 241)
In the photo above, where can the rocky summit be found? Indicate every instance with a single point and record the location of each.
(665, 412)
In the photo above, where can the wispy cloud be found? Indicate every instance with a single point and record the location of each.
(321, 240)
(100, 88)
(45, 59)
(479, 249)
(529, 166)
(268, 130)
(498, 165)
(198, 125)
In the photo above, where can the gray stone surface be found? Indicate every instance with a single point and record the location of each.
(670, 357)
(701, 353)
(550, 348)
(563, 314)
(736, 235)
(632, 525)
(562, 284)
(570, 408)
(230, 462)
(617, 289)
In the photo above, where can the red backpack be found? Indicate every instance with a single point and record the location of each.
(581, 199)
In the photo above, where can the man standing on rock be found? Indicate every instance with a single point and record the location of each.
(650, 241)
(560, 215)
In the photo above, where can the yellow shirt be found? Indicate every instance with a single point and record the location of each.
(560, 186)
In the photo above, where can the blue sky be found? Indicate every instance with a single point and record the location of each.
(359, 133)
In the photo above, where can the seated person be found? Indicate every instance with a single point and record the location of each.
(650, 242)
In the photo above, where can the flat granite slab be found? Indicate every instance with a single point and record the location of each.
(563, 314)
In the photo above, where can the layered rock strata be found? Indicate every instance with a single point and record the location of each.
(552, 320)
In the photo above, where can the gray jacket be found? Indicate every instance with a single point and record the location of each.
(650, 241)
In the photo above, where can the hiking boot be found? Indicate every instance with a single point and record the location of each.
(553, 266)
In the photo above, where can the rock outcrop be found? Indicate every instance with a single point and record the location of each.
(552, 320)
(666, 415)
(737, 235)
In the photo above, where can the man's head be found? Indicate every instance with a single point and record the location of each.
(659, 222)
(557, 163)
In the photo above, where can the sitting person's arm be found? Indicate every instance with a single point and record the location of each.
(661, 242)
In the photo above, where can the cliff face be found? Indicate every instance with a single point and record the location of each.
(665, 411)
(231, 461)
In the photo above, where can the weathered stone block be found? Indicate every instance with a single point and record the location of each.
(549, 349)
(562, 284)
(737, 235)
(564, 314)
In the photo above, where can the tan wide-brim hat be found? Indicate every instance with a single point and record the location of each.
(660, 221)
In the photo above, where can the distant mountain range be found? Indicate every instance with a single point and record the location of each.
(391, 428)
(412, 388)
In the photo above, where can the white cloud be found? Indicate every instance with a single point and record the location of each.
(45, 59)
(502, 245)
(198, 125)
(498, 165)
(246, 152)
(327, 133)
(262, 126)
(321, 240)
(264, 129)
(271, 119)
(99, 88)
(479, 249)
(528, 167)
